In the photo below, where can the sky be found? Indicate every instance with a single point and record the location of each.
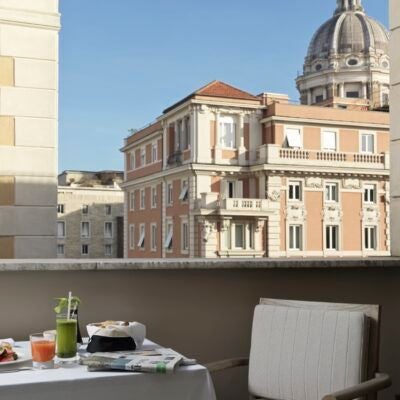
(122, 62)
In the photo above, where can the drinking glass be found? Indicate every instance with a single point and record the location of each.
(43, 347)
(66, 329)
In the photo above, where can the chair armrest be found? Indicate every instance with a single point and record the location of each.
(226, 364)
(381, 381)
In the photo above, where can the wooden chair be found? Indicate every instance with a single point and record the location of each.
(311, 351)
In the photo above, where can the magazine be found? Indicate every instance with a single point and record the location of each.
(160, 360)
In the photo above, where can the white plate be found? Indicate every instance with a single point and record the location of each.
(22, 357)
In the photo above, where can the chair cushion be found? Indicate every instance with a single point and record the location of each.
(304, 354)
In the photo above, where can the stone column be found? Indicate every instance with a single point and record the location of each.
(364, 90)
(309, 97)
(341, 90)
(395, 127)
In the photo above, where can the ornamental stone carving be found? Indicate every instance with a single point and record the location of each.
(296, 213)
(332, 213)
(274, 195)
(351, 183)
(370, 214)
(314, 182)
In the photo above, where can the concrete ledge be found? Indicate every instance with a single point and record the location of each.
(196, 264)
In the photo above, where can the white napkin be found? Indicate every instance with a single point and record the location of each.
(9, 340)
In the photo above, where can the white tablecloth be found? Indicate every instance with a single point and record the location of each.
(187, 383)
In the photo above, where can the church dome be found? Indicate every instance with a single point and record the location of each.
(349, 31)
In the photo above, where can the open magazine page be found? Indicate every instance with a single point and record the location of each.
(159, 360)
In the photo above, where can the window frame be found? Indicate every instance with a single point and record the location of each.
(108, 207)
(105, 250)
(132, 200)
(131, 239)
(329, 241)
(295, 184)
(142, 205)
(184, 194)
(297, 237)
(222, 140)
(85, 245)
(64, 229)
(298, 128)
(61, 208)
(367, 237)
(328, 193)
(132, 160)
(169, 238)
(154, 197)
(142, 237)
(153, 237)
(62, 245)
(108, 223)
(85, 209)
(366, 150)
(154, 152)
(323, 147)
(185, 236)
(170, 194)
(89, 230)
(143, 156)
(367, 188)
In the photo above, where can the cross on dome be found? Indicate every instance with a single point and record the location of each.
(348, 5)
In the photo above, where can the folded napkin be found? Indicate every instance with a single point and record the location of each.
(9, 341)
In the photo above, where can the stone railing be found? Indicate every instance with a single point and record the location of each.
(274, 154)
(245, 204)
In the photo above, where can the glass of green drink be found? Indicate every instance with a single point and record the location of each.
(66, 339)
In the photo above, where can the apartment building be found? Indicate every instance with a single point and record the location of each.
(224, 173)
(395, 123)
(90, 215)
(28, 127)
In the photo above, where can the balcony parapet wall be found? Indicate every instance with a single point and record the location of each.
(196, 264)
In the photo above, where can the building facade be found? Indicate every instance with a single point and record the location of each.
(347, 63)
(224, 173)
(28, 127)
(90, 215)
(395, 123)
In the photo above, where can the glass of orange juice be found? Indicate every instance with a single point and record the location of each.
(43, 347)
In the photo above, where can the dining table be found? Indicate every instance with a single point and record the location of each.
(189, 382)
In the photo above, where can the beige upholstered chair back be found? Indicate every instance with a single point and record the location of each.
(304, 350)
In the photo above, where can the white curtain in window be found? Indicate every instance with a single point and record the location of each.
(329, 141)
(227, 132)
(85, 229)
(293, 137)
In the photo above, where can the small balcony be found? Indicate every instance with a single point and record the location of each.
(277, 155)
(211, 203)
(175, 158)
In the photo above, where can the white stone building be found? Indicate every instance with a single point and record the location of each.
(28, 127)
(90, 215)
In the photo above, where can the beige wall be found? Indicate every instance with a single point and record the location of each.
(395, 124)
(351, 221)
(205, 314)
(28, 126)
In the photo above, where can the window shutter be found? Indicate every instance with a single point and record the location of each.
(293, 137)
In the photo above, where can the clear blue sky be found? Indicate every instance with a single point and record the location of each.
(123, 61)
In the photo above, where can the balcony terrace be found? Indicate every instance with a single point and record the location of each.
(202, 308)
(277, 155)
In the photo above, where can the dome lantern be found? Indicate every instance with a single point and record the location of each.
(348, 5)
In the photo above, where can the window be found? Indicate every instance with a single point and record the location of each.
(60, 229)
(234, 189)
(369, 194)
(131, 237)
(132, 201)
(370, 241)
(142, 156)
(329, 141)
(141, 238)
(153, 197)
(332, 237)
(108, 230)
(227, 132)
(132, 160)
(250, 235)
(60, 208)
(185, 236)
(353, 95)
(169, 193)
(108, 250)
(367, 143)
(85, 249)
(60, 249)
(239, 236)
(142, 199)
(319, 98)
(295, 237)
(85, 229)
(293, 138)
(331, 192)
(168, 239)
(295, 191)
(385, 99)
(178, 135)
(184, 192)
(85, 209)
(154, 152)
(107, 209)
(153, 237)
